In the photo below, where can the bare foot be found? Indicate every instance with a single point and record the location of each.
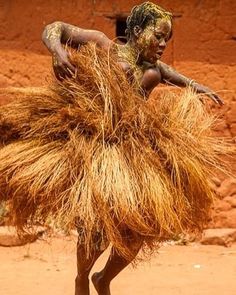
(101, 287)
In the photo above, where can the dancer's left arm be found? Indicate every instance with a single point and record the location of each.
(170, 76)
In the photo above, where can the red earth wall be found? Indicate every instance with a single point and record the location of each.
(203, 47)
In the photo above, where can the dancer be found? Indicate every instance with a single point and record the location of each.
(89, 151)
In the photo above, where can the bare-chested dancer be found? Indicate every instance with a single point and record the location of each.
(149, 28)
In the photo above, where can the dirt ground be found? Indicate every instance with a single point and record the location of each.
(49, 267)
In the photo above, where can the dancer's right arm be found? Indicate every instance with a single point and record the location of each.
(59, 33)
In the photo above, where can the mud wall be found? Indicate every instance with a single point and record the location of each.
(203, 47)
(203, 30)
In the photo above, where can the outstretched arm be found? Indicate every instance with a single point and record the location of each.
(170, 76)
(59, 33)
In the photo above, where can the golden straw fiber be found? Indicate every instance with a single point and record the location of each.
(90, 152)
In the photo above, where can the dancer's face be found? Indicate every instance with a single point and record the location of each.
(151, 41)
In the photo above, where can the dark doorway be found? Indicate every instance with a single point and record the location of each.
(120, 30)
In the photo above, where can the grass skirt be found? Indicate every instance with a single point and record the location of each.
(90, 151)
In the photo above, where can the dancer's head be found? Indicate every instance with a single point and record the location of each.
(149, 27)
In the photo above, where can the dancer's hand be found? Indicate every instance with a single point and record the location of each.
(61, 65)
(207, 91)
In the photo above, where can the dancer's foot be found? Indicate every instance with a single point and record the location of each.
(101, 287)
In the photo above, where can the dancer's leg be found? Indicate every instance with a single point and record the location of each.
(113, 267)
(84, 266)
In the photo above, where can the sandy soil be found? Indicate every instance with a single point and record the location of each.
(49, 268)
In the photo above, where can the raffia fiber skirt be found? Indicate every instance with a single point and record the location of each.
(91, 152)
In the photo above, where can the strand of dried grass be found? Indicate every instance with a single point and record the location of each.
(90, 150)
